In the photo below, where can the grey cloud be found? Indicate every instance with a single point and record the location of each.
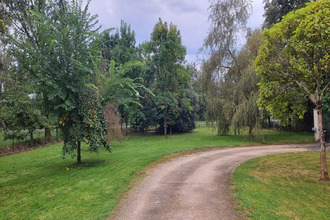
(190, 16)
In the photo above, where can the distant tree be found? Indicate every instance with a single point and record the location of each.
(227, 18)
(4, 62)
(19, 112)
(196, 94)
(120, 46)
(233, 98)
(19, 14)
(276, 9)
(294, 65)
(229, 77)
(117, 88)
(170, 76)
(120, 49)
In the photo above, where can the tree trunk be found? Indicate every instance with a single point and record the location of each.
(323, 159)
(56, 134)
(79, 152)
(250, 130)
(126, 129)
(31, 137)
(165, 123)
(0, 93)
(48, 135)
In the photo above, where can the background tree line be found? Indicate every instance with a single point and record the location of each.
(59, 70)
(229, 75)
(285, 80)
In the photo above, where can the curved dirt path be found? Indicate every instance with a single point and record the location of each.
(192, 187)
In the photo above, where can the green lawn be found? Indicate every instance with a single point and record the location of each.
(40, 185)
(283, 186)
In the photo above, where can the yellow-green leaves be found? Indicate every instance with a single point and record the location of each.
(295, 57)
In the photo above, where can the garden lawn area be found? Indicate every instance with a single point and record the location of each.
(283, 186)
(39, 184)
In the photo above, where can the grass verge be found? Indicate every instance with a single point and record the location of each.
(283, 186)
(40, 185)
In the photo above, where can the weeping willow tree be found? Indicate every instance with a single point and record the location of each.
(229, 74)
(232, 99)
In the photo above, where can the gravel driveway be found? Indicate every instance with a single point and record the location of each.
(193, 186)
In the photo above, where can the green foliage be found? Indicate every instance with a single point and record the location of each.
(275, 10)
(294, 65)
(232, 99)
(166, 76)
(63, 66)
(120, 46)
(122, 83)
(326, 102)
(229, 77)
(227, 18)
(86, 124)
(20, 111)
(294, 61)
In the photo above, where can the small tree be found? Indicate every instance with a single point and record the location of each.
(294, 63)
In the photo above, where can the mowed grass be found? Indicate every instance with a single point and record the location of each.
(39, 184)
(283, 186)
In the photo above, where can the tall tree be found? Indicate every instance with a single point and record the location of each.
(228, 71)
(168, 55)
(233, 102)
(19, 112)
(119, 49)
(63, 46)
(276, 9)
(4, 62)
(294, 62)
(22, 21)
(228, 18)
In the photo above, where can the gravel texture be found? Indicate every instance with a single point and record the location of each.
(193, 186)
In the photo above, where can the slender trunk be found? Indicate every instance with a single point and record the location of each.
(56, 134)
(31, 137)
(0, 93)
(323, 159)
(165, 123)
(48, 135)
(126, 129)
(170, 129)
(79, 152)
(250, 130)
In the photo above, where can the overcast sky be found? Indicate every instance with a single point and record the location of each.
(190, 16)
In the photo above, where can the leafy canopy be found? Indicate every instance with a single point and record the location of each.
(294, 60)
